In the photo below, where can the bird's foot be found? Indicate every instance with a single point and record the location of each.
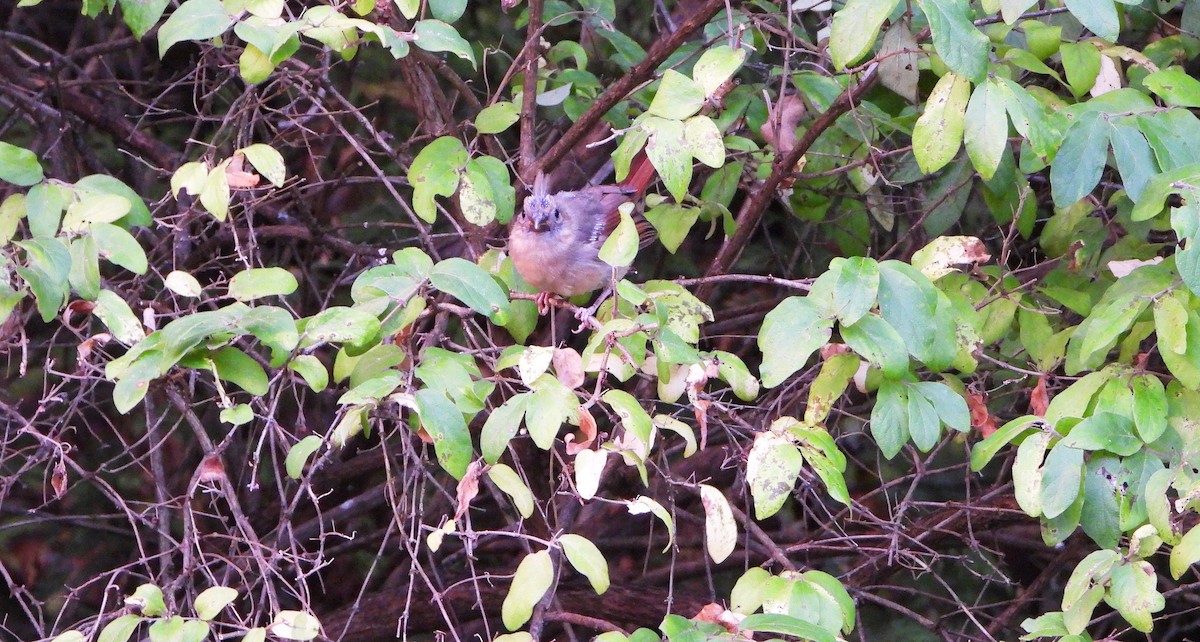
(545, 301)
(587, 316)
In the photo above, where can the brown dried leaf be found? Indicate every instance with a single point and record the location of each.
(568, 367)
(830, 350)
(468, 487)
(76, 307)
(58, 479)
(981, 419)
(88, 345)
(587, 431)
(239, 178)
(1039, 399)
(718, 614)
(697, 378)
(212, 469)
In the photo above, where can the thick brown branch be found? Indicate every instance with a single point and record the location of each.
(752, 208)
(618, 90)
(529, 87)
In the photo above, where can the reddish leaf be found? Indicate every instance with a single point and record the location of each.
(468, 487)
(1039, 399)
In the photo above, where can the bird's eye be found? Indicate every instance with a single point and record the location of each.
(557, 215)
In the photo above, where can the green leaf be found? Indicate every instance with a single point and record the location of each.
(786, 625)
(790, 334)
(435, 172)
(299, 454)
(43, 209)
(771, 471)
(1149, 407)
(237, 415)
(115, 314)
(672, 222)
(1080, 161)
(295, 625)
(1104, 431)
(986, 128)
(717, 65)
(1185, 553)
(855, 289)
(533, 578)
(475, 197)
(550, 405)
(120, 629)
(19, 166)
(507, 480)
(1081, 62)
(877, 341)
(311, 370)
(118, 247)
(267, 161)
(733, 371)
(855, 27)
(1100, 16)
(1012, 9)
(445, 425)
(473, 286)
(340, 324)
(1062, 478)
(257, 283)
(633, 417)
(923, 423)
(677, 98)
(1175, 87)
(69, 636)
(1135, 159)
(898, 61)
(670, 153)
(621, 246)
(147, 599)
(214, 194)
(1027, 472)
(587, 559)
(704, 140)
(720, 527)
(950, 406)
(211, 600)
(501, 426)
(232, 365)
(496, 118)
(142, 15)
(12, 210)
(1134, 593)
(448, 10)
(957, 41)
(183, 284)
(889, 418)
(84, 276)
(193, 20)
(984, 451)
(939, 131)
(435, 35)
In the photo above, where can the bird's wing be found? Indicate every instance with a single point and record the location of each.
(595, 213)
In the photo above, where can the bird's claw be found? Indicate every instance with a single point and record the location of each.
(544, 302)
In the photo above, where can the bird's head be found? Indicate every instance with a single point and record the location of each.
(540, 211)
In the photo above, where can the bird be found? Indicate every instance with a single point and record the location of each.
(555, 240)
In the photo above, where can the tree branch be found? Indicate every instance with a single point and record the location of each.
(752, 208)
(618, 90)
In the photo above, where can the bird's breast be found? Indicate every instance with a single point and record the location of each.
(551, 262)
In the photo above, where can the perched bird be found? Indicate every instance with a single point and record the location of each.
(555, 241)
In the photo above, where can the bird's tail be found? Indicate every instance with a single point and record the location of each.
(641, 174)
